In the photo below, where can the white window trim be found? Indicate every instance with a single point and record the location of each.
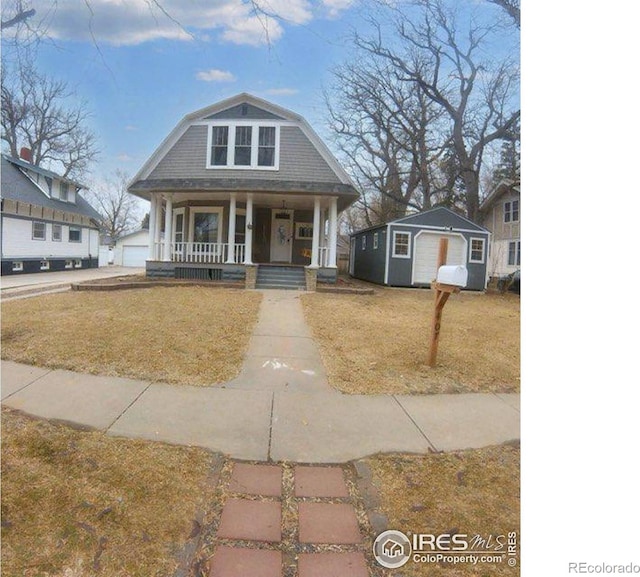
(79, 229)
(176, 212)
(375, 241)
(17, 266)
(68, 264)
(231, 145)
(33, 230)
(393, 244)
(53, 233)
(364, 242)
(44, 265)
(78, 263)
(515, 253)
(484, 246)
(207, 209)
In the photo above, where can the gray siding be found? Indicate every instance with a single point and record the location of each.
(369, 263)
(439, 218)
(250, 113)
(299, 160)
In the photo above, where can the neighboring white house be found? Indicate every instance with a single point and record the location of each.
(132, 249)
(45, 223)
(501, 216)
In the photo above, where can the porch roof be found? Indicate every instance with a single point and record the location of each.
(345, 193)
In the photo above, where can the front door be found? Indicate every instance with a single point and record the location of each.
(281, 235)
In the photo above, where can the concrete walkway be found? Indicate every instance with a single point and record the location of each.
(280, 407)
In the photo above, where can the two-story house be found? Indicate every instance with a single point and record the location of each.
(501, 216)
(45, 223)
(241, 185)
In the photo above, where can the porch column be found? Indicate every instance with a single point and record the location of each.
(152, 226)
(315, 245)
(248, 231)
(157, 232)
(168, 232)
(231, 239)
(333, 232)
(323, 217)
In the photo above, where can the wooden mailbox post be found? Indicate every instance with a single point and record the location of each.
(442, 295)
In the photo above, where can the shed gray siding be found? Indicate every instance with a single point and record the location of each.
(369, 263)
(299, 160)
(368, 266)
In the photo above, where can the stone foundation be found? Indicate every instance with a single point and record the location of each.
(311, 276)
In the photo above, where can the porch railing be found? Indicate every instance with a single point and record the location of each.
(202, 252)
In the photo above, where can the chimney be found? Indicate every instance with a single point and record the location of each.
(25, 154)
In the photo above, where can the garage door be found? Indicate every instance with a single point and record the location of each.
(425, 254)
(134, 255)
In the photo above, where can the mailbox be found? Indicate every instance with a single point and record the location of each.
(453, 275)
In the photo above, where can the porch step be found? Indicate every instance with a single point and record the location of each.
(280, 277)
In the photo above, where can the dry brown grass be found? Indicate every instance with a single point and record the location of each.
(78, 503)
(379, 344)
(474, 492)
(195, 336)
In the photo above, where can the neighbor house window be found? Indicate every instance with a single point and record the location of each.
(44, 265)
(364, 242)
(16, 266)
(477, 250)
(512, 211)
(401, 244)
(242, 145)
(56, 232)
(68, 264)
(38, 231)
(514, 253)
(78, 263)
(375, 241)
(64, 191)
(75, 234)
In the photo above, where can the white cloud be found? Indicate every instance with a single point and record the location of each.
(215, 75)
(336, 7)
(130, 22)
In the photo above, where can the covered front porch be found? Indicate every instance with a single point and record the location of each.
(226, 235)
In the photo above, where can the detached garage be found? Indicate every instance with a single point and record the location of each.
(132, 250)
(404, 252)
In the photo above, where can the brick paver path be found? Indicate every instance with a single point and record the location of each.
(286, 520)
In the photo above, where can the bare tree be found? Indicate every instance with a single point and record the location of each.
(511, 7)
(36, 115)
(389, 136)
(449, 61)
(120, 212)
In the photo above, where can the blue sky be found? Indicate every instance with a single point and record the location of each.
(140, 73)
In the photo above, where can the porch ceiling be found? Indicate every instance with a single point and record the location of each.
(265, 193)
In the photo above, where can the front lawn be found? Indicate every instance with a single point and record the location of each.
(82, 504)
(472, 493)
(182, 335)
(380, 343)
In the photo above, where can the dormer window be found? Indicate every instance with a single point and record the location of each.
(244, 145)
(64, 191)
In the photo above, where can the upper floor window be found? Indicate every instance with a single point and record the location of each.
(512, 211)
(244, 145)
(38, 230)
(64, 191)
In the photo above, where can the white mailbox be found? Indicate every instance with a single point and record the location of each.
(453, 275)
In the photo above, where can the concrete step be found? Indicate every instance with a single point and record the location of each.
(281, 277)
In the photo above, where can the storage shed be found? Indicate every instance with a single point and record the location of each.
(404, 252)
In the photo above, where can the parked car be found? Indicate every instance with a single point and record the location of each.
(510, 283)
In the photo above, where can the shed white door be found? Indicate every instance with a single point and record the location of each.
(425, 254)
(134, 255)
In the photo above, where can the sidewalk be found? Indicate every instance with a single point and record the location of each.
(25, 285)
(280, 407)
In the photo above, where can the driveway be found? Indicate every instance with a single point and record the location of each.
(14, 285)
